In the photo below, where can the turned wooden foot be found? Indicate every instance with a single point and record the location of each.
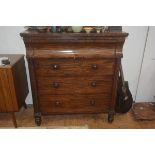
(37, 118)
(14, 119)
(111, 116)
(25, 105)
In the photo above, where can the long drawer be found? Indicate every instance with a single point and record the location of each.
(71, 67)
(74, 85)
(74, 103)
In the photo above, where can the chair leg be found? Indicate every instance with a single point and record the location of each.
(14, 119)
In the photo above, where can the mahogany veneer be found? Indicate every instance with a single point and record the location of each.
(73, 72)
(13, 85)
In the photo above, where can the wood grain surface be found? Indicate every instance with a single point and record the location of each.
(70, 85)
(73, 70)
(13, 85)
(62, 104)
(71, 67)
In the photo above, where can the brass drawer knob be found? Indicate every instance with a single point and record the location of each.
(56, 66)
(92, 102)
(56, 85)
(93, 84)
(57, 103)
(94, 66)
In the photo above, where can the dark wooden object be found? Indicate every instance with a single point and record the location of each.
(124, 96)
(74, 72)
(13, 85)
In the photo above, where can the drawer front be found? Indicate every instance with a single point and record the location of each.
(74, 103)
(70, 85)
(71, 67)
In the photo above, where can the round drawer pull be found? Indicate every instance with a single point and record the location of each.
(56, 66)
(56, 85)
(93, 84)
(57, 103)
(94, 66)
(92, 102)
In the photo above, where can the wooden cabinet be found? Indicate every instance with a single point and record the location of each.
(13, 85)
(73, 72)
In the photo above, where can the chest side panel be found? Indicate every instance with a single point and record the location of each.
(20, 81)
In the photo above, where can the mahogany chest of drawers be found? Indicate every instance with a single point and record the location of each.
(73, 72)
(13, 85)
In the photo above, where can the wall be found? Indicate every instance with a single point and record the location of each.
(11, 42)
(146, 88)
(133, 54)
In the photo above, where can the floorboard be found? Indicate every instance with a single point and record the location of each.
(92, 121)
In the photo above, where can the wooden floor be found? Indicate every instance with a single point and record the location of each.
(94, 121)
